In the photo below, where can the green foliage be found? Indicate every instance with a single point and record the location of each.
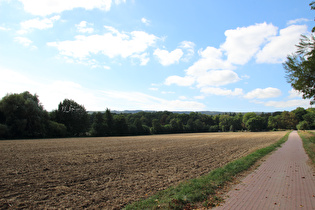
(247, 116)
(23, 116)
(120, 125)
(303, 125)
(300, 67)
(255, 124)
(299, 112)
(73, 116)
(56, 130)
(99, 127)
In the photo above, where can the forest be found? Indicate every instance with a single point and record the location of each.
(22, 116)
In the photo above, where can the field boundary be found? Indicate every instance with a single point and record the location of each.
(203, 189)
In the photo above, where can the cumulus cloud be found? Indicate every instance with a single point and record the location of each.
(38, 23)
(82, 27)
(242, 43)
(263, 93)
(280, 46)
(222, 92)
(111, 44)
(217, 78)
(167, 58)
(180, 81)
(211, 59)
(295, 94)
(47, 7)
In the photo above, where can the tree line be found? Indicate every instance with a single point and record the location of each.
(23, 116)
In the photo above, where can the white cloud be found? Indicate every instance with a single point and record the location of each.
(52, 92)
(25, 42)
(299, 20)
(288, 104)
(182, 97)
(37, 23)
(111, 44)
(189, 48)
(143, 58)
(47, 7)
(145, 21)
(82, 27)
(222, 92)
(217, 78)
(242, 43)
(211, 59)
(263, 93)
(167, 58)
(180, 81)
(295, 94)
(280, 46)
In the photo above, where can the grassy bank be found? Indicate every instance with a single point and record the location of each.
(308, 139)
(203, 189)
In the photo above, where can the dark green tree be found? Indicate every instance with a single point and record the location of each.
(299, 112)
(109, 121)
(255, 123)
(156, 126)
(73, 116)
(99, 126)
(120, 125)
(248, 116)
(23, 116)
(225, 122)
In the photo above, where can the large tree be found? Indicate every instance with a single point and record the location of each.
(22, 116)
(73, 116)
(300, 66)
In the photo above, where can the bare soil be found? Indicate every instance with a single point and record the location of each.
(111, 172)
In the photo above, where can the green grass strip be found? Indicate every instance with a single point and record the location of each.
(308, 139)
(199, 189)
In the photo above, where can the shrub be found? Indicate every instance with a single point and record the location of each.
(303, 125)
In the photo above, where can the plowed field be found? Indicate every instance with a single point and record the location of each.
(110, 172)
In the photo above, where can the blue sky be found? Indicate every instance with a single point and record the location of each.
(153, 54)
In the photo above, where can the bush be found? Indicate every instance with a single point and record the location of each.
(56, 130)
(303, 125)
(214, 128)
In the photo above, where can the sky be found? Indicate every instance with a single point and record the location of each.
(175, 55)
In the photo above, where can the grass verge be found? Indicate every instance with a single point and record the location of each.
(203, 189)
(308, 139)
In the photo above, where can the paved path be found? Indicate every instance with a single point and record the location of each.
(283, 181)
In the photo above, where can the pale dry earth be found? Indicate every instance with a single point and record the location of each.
(110, 172)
